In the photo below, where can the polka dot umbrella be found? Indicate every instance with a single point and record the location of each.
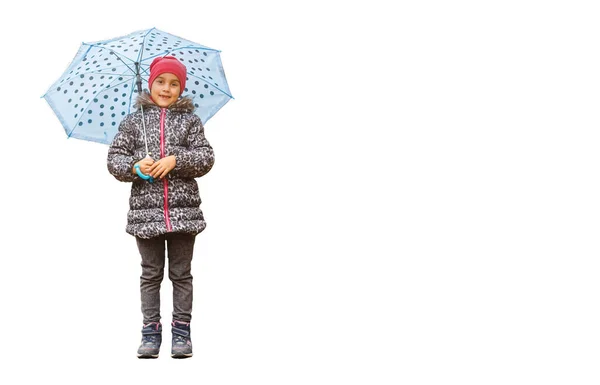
(101, 84)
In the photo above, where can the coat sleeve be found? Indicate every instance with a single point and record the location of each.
(198, 158)
(121, 159)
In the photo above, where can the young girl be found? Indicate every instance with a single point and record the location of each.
(166, 210)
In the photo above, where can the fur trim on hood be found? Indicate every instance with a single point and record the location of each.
(183, 104)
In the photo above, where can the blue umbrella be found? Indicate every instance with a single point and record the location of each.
(101, 84)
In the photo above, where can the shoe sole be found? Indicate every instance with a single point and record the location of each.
(182, 355)
(147, 355)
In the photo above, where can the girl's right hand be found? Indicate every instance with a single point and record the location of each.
(144, 165)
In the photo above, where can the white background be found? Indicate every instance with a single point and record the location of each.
(401, 195)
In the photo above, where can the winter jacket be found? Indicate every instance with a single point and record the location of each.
(173, 203)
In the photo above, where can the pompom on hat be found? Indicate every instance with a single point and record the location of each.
(170, 64)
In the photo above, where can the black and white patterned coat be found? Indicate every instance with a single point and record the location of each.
(173, 203)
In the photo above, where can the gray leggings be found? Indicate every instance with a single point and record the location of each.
(180, 249)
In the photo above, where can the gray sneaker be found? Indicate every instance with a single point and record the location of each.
(151, 339)
(181, 346)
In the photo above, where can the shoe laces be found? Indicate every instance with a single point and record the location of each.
(179, 339)
(149, 339)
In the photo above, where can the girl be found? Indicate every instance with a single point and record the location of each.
(166, 210)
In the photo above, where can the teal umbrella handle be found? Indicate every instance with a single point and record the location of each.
(142, 175)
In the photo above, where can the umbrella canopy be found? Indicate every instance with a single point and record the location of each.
(100, 85)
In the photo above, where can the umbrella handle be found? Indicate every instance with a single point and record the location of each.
(142, 175)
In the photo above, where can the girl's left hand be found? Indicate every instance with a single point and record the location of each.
(162, 167)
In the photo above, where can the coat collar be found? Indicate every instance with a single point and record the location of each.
(183, 104)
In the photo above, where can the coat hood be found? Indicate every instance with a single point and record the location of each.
(183, 104)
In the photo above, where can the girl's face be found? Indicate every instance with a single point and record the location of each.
(165, 89)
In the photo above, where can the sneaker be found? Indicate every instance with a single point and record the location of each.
(181, 346)
(151, 339)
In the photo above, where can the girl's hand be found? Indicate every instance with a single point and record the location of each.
(162, 167)
(144, 165)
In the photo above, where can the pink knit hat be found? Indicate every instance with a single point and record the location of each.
(170, 64)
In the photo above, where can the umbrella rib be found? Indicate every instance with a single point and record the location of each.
(75, 125)
(207, 82)
(101, 47)
(194, 47)
(177, 37)
(111, 74)
(166, 52)
(118, 57)
(114, 53)
(99, 73)
(139, 60)
(110, 86)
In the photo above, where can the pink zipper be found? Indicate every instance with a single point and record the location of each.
(162, 155)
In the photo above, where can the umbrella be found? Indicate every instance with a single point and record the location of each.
(101, 84)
